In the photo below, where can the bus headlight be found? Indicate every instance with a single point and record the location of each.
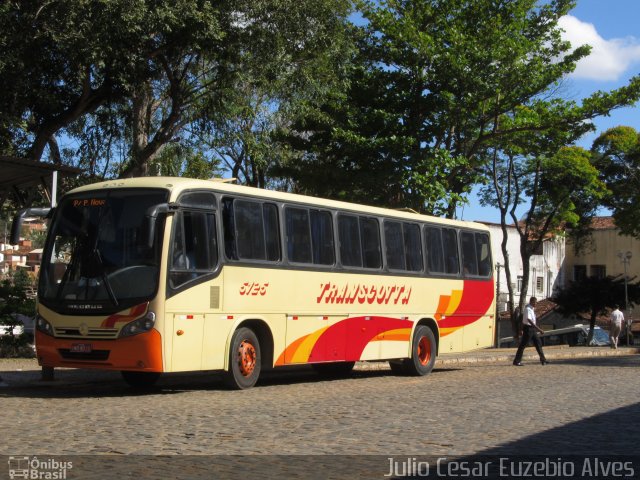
(141, 325)
(43, 326)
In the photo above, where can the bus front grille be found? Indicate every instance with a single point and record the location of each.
(93, 333)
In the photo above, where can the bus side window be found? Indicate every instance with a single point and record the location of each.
(483, 252)
(370, 236)
(394, 245)
(412, 247)
(469, 261)
(435, 252)
(322, 238)
(450, 245)
(251, 230)
(298, 234)
(349, 235)
(194, 251)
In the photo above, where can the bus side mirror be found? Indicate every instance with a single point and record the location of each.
(16, 227)
(151, 217)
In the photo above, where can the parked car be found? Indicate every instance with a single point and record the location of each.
(27, 326)
(574, 336)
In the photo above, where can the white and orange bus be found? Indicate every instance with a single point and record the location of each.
(152, 275)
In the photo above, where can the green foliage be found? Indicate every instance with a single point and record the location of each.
(617, 155)
(14, 301)
(126, 79)
(435, 87)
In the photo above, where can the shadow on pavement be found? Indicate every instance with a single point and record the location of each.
(71, 383)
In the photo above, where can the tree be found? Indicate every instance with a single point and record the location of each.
(129, 77)
(561, 192)
(617, 155)
(14, 302)
(595, 296)
(434, 86)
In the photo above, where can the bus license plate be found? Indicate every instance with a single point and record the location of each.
(81, 348)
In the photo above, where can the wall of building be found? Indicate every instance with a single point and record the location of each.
(603, 255)
(545, 271)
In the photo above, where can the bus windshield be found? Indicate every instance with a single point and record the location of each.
(97, 257)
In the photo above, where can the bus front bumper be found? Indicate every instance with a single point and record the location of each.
(141, 352)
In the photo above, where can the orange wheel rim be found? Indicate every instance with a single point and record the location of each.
(246, 358)
(424, 351)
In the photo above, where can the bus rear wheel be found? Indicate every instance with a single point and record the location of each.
(423, 352)
(140, 379)
(245, 361)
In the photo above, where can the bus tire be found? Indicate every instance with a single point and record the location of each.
(140, 379)
(423, 352)
(334, 369)
(245, 361)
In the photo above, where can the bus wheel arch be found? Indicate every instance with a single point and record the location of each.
(250, 351)
(431, 323)
(424, 349)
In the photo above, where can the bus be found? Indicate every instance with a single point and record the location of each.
(159, 274)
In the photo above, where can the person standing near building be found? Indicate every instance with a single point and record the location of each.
(615, 326)
(530, 332)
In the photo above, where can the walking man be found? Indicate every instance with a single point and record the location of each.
(615, 326)
(529, 332)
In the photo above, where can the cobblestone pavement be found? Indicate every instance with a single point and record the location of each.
(581, 406)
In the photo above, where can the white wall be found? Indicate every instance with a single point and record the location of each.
(548, 265)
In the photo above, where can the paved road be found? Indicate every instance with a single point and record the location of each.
(580, 406)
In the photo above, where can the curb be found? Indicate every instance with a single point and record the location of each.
(506, 356)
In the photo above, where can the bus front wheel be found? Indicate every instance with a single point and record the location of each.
(423, 352)
(245, 361)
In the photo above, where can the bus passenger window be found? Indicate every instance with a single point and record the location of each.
(251, 230)
(349, 234)
(298, 235)
(435, 252)
(483, 254)
(271, 231)
(412, 247)
(394, 245)
(370, 235)
(450, 245)
(322, 238)
(469, 261)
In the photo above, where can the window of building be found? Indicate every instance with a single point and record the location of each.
(579, 272)
(520, 280)
(539, 284)
(598, 271)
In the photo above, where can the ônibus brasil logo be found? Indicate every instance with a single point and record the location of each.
(34, 468)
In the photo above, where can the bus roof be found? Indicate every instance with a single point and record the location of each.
(177, 185)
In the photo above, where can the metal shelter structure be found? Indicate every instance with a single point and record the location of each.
(20, 179)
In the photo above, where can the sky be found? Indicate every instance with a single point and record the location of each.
(612, 29)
